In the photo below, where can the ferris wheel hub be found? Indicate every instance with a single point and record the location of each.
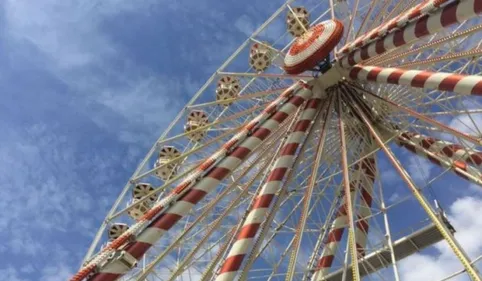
(313, 46)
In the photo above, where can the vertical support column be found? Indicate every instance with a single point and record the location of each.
(245, 239)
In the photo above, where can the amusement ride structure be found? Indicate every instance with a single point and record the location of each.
(296, 159)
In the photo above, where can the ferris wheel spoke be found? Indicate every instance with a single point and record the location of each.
(208, 209)
(382, 60)
(244, 241)
(428, 148)
(266, 75)
(347, 189)
(248, 96)
(447, 235)
(455, 12)
(309, 193)
(453, 56)
(187, 171)
(457, 83)
(364, 177)
(194, 191)
(387, 27)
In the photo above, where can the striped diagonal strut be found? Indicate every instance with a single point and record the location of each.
(365, 172)
(458, 83)
(389, 26)
(196, 186)
(269, 190)
(445, 154)
(455, 12)
(363, 177)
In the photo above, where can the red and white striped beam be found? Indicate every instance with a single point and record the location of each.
(362, 178)
(366, 173)
(206, 177)
(458, 83)
(259, 210)
(455, 12)
(445, 154)
(397, 22)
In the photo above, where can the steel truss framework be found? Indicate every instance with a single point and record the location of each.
(270, 176)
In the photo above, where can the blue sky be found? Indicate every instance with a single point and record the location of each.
(87, 86)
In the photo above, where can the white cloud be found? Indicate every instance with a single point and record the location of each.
(464, 214)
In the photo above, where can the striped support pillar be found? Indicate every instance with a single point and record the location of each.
(458, 83)
(333, 241)
(365, 171)
(397, 22)
(455, 12)
(209, 174)
(261, 204)
(444, 154)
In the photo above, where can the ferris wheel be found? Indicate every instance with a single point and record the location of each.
(277, 167)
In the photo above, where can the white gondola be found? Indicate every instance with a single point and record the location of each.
(195, 120)
(167, 171)
(227, 88)
(297, 27)
(260, 57)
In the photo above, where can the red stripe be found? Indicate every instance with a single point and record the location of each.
(240, 152)
(419, 79)
(326, 261)
(138, 249)
(362, 225)
(449, 14)
(379, 47)
(421, 27)
(289, 149)
(335, 235)
(354, 72)
(302, 126)
(372, 75)
(279, 116)
(478, 7)
(450, 149)
(104, 277)
(394, 77)
(166, 221)
(312, 103)
(263, 201)
(364, 52)
(193, 196)
(277, 174)
(351, 58)
(398, 39)
(449, 83)
(232, 264)
(248, 231)
(427, 143)
(367, 197)
(219, 173)
(297, 100)
(475, 158)
(477, 89)
(261, 133)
